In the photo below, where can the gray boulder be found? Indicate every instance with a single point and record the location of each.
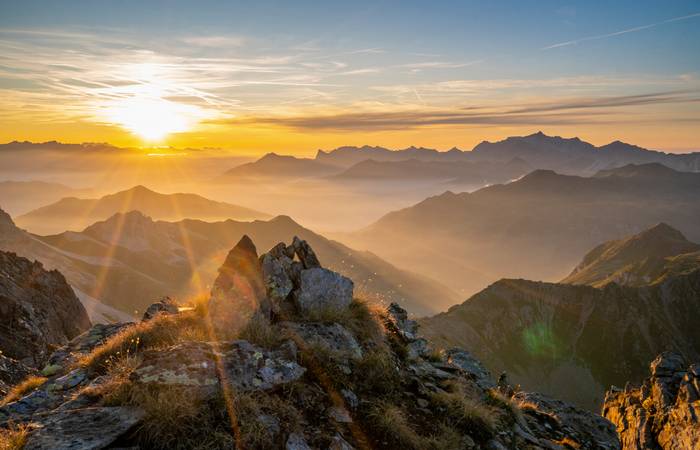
(248, 367)
(321, 288)
(84, 429)
(190, 364)
(276, 270)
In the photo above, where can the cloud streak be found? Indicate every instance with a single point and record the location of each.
(575, 112)
(620, 33)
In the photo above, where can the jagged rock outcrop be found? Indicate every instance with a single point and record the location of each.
(238, 292)
(286, 277)
(341, 377)
(662, 413)
(38, 310)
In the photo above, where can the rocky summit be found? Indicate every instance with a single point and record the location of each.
(282, 355)
(38, 310)
(662, 413)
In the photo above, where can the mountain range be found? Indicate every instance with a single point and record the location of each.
(73, 213)
(570, 156)
(531, 228)
(129, 259)
(552, 336)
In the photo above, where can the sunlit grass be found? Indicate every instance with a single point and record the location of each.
(163, 330)
(23, 388)
(14, 437)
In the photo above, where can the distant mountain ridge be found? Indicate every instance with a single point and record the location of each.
(533, 227)
(645, 258)
(19, 197)
(75, 213)
(129, 259)
(565, 155)
(570, 156)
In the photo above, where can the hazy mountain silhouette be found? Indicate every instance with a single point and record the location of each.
(19, 197)
(533, 227)
(645, 258)
(76, 213)
(565, 155)
(480, 173)
(551, 336)
(278, 166)
(129, 259)
(490, 161)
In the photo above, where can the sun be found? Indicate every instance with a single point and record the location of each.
(142, 102)
(152, 119)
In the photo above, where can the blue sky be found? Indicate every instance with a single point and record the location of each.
(276, 64)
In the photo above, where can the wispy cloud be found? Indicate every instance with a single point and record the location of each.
(621, 32)
(575, 111)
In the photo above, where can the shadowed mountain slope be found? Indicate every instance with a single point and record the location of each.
(551, 337)
(531, 228)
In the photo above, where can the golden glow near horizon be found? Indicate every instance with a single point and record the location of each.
(241, 95)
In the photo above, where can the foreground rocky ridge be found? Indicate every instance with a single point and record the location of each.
(662, 413)
(312, 367)
(38, 309)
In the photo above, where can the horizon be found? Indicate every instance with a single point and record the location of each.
(272, 77)
(312, 153)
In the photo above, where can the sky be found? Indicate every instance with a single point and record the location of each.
(293, 77)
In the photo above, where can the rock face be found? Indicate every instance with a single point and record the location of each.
(321, 288)
(38, 309)
(664, 412)
(11, 373)
(238, 291)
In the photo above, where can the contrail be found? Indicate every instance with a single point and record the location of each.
(618, 33)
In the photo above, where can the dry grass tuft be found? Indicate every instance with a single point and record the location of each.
(378, 372)
(498, 399)
(259, 331)
(470, 415)
(567, 442)
(175, 417)
(391, 424)
(251, 408)
(362, 318)
(23, 388)
(14, 437)
(163, 330)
